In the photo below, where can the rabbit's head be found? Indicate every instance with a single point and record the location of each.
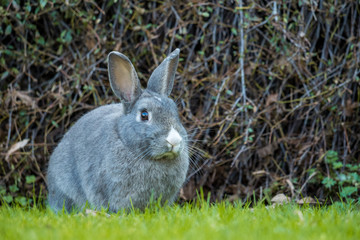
(150, 126)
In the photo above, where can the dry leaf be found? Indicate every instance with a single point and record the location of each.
(26, 99)
(270, 206)
(305, 146)
(139, 9)
(292, 188)
(283, 64)
(94, 213)
(349, 108)
(299, 213)
(280, 199)
(182, 194)
(233, 198)
(271, 99)
(90, 212)
(90, 41)
(260, 173)
(306, 200)
(16, 147)
(267, 150)
(188, 191)
(136, 28)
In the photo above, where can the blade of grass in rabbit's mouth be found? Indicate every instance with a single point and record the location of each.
(167, 156)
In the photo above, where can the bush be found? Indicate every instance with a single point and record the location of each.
(269, 91)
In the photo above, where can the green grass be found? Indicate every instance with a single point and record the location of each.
(219, 221)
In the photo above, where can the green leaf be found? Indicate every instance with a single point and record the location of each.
(178, 37)
(234, 31)
(21, 200)
(60, 50)
(37, 10)
(8, 198)
(354, 177)
(13, 188)
(348, 191)
(68, 37)
(55, 123)
(41, 41)
(337, 165)
(229, 92)
(43, 3)
(342, 178)
(8, 29)
(2, 190)
(202, 39)
(4, 75)
(28, 8)
(30, 179)
(15, 71)
(65, 36)
(332, 9)
(352, 167)
(331, 156)
(328, 182)
(205, 14)
(22, 113)
(311, 170)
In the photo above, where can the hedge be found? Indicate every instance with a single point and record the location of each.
(268, 90)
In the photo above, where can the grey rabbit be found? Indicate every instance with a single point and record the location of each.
(120, 156)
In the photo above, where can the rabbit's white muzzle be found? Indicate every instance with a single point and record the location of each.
(173, 144)
(173, 140)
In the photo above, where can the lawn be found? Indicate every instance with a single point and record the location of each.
(191, 221)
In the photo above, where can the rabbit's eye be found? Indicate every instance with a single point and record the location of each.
(144, 115)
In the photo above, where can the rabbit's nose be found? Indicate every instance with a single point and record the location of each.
(173, 140)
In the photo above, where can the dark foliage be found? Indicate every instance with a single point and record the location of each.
(269, 90)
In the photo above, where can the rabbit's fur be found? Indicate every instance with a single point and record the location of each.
(113, 158)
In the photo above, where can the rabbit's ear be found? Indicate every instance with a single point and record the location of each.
(123, 77)
(162, 79)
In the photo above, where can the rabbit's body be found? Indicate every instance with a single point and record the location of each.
(113, 157)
